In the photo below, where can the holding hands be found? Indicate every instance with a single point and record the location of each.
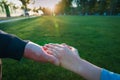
(68, 56)
(58, 54)
(64, 56)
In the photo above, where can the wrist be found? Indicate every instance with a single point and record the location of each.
(88, 70)
(75, 66)
(27, 50)
(31, 50)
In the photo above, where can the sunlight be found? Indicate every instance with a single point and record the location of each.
(52, 9)
(49, 4)
(44, 3)
(57, 28)
(16, 2)
(74, 4)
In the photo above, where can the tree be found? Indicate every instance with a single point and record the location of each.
(83, 5)
(118, 7)
(2, 7)
(63, 7)
(6, 7)
(102, 6)
(113, 6)
(25, 2)
(90, 6)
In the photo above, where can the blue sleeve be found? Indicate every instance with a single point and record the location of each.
(107, 75)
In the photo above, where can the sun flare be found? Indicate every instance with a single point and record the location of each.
(44, 3)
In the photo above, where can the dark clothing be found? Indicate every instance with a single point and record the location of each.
(11, 46)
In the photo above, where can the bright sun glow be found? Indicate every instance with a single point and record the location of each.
(33, 4)
(44, 3)
(38, 3)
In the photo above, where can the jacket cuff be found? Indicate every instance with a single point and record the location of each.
(16, 48)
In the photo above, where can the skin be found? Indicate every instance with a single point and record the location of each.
(69, 59)
(35, 52)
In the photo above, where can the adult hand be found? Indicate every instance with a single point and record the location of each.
(37, 53)
(69, 59)
(68, 56)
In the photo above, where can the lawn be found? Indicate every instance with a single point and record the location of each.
(96, 37)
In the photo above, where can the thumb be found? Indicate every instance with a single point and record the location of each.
(51, 58)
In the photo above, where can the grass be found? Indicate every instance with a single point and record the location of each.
(96, 38)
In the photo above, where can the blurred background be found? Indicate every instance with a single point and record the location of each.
(10, 8)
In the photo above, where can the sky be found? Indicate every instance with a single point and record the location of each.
(38, 3)
(44, 3)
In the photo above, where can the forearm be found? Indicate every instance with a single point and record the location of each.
(36, 52)
(30, 51)
(88, 70)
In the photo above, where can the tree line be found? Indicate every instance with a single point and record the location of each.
(88, 7)
(6, 6)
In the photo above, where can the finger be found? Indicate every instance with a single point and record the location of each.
(53, 46)
(57, 45)
(53, 51)
(64, 44)
(44, 47)
(74, 50)
(49, 51)
(52, 59)
(70, 47)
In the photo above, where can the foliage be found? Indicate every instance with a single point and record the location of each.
(25, 2)
(46, 11)
(63, 6)
(5, 5)
(90, 7)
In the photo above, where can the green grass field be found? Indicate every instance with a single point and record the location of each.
(96, 37)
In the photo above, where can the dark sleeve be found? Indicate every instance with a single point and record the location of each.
(11, 46)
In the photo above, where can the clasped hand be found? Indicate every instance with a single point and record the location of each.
(67, 56)
(58, 54)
